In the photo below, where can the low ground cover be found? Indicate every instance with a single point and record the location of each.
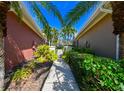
(95, 73)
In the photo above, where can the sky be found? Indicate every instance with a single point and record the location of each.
(64, 7)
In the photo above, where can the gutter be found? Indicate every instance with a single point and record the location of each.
(99, 9)
(105, 9)
(94, 15)
(90, 19)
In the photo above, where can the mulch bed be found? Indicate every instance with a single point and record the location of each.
(33, 83)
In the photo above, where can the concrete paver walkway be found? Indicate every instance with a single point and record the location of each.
(60, 78)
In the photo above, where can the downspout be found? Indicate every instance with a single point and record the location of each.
(117, 46)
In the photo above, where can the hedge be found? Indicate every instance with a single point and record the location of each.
(95, 73)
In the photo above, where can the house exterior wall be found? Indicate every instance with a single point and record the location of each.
(100, 38)
(19, 41)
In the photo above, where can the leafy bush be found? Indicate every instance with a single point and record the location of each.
(44, 54)
(60, 47)
(121, 62)
(95, 73)
(21, 74)
(25, 71)
(83, 50)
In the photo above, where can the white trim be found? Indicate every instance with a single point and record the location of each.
(90, 19)
(117, 47)
(98, 10)
(104, 9)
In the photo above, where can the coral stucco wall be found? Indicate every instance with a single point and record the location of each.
(19, 41)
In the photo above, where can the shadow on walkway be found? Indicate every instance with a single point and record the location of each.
(61, 78)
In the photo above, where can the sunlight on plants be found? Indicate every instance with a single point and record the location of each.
(44, 54)
(95, 73)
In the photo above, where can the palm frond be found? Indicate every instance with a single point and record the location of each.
(52, 9)
(39, 14)
(78, 11)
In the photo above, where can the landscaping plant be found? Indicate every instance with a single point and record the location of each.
(83, 50)
(95, 73)
(24, 72)
(44, 54)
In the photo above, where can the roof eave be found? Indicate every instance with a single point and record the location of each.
(98, 11)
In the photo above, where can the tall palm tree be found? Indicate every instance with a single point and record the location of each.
(4, 7)
(72, 32)
(68, 32)
(118, 23)
(48, 33)
(55, 36)
(64, 34)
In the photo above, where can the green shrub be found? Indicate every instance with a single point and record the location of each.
(60, 47)
(121, 62)
(95, 73)
(21, 74)
(31, 64)
(44, 54)
(24, 72)
(83, 50)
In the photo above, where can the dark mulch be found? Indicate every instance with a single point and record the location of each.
(33, 83)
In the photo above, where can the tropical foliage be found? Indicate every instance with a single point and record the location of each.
(55, 36)
(50, 7)
(52, 35)
(95, 73)
(83, 50)
(78, 11)
(23, 73)
(44, 54)
(68, 32)
(48, 33)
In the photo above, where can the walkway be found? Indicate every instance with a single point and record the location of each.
(60, 78)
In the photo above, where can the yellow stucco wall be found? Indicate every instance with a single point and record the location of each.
(100, 38)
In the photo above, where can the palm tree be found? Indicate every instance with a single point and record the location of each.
(64, 34)
(4, 7)
(118, 23)
(55, 36)
(68, 32)
(72, 32)
(48, 33)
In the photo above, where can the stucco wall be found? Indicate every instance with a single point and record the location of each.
(100, 38)
(19, 41)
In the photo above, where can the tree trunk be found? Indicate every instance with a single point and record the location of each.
(118, 23)
(4, 7)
